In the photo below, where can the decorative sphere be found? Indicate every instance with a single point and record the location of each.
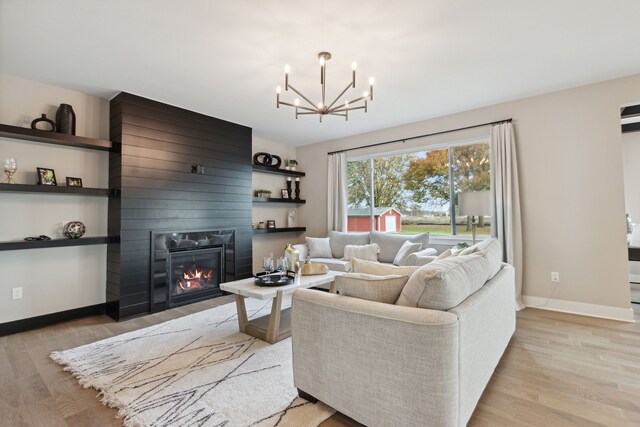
(74, 229)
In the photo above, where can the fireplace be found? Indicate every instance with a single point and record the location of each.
(188, 266)
(194, 274)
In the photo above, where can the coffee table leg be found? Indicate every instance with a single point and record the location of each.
(274, 319)
(242, 313)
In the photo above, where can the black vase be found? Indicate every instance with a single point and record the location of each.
(66, 120)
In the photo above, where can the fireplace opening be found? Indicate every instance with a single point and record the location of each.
(194, 273)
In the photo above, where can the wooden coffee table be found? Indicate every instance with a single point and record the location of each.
(276, 326)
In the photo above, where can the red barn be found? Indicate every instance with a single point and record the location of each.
(385, 219)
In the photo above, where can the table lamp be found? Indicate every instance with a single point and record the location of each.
(477, 203)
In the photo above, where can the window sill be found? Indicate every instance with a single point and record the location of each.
(453, 240)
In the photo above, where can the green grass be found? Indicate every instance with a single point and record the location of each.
(441, 229)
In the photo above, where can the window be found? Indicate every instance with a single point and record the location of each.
(411, 193)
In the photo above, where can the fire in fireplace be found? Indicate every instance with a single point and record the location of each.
(194, 273)
(194, 278)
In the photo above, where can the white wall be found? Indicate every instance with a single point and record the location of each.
(571, 181)
(53, 279)
(274, 244)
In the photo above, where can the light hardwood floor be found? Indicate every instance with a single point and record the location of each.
(559, 369)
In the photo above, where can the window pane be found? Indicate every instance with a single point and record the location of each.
(358, 195)
(471, 173)
(427, 188)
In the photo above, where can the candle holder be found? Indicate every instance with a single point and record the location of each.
(297, 188)
(289, 192)
(10, 167)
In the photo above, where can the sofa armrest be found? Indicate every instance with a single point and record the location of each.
(302, 250)
(380, 364)
(422, 257)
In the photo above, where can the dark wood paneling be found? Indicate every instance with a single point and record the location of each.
(156, 144)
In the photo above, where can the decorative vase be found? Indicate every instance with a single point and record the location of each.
(292, 256)
(74, 229)
(66, 120)
(34, 124)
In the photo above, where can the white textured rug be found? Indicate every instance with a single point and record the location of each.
(197, 370)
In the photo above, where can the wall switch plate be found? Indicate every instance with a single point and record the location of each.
(16, 293)
(555, 277)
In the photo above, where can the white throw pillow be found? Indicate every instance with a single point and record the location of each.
(319, 247)
(406, 249)
(374, 267)
(368, 252)
(445, 254)
(385, 289)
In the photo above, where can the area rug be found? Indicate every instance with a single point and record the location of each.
(197, 370)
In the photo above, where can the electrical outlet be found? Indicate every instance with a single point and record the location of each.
(16, 293)
(555, 277)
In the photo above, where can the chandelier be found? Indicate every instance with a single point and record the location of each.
(335, 108)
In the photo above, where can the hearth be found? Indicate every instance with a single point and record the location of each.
(188, 266)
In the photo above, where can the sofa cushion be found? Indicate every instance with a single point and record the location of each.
(405, 250)
(445, 283)
(445, 254)
(339, 240)
(319, 247)
(373, 267)
(390, 244)
(368, 252)
(332, 263)
(371, 287)
(491, 250)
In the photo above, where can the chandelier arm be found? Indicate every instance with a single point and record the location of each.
(358, 100)
(309, 113)
(341, 115)
(303, 97)
(296, 106)
(346, 109)
(340, 96)
(324, 81)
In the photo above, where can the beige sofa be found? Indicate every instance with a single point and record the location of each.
(405, 365)
(389, 245)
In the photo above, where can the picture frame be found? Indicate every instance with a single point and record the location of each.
(271, 223)
(46, 176)
(284, 193)
(74, 182)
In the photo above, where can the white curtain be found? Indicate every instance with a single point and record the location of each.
(337, 192)
(505, 196)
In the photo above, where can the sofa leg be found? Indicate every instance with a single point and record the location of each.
(307, 396)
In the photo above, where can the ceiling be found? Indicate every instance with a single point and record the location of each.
(224, 58)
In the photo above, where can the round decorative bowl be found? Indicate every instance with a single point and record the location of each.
(74, 229)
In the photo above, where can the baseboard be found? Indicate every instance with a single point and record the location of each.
(584, 309)
(50, 319)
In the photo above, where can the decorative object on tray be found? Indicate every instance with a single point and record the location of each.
(266, 159)
(74, 229)
(40, 237)
(313, 269)
(297, 188)
(271, 223)
(284, 193)
(46, 176)
(275, 279)
(290, 164)
(293, 257)
(291, 218)
(74, 182)
(262, 193)
(44, 119)
(10, 167)
(289, 189)
(261, 224)
(66, 120)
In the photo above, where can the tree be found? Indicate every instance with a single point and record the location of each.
(388, 184)
(427, 178)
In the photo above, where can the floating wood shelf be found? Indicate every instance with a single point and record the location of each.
(55, 243)
(276, 200)
(267, 169)
(278, 230)
(54, 189)
(55, 138)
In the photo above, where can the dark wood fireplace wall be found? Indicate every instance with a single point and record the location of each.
(174, 169)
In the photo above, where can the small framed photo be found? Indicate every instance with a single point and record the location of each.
(46, 176)
(271, 223)
(74, 182)
(284, 193)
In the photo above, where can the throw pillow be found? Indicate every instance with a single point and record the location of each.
(406, 249)
(391, 243)
(369, 267)
(368, 252)
(339, 240)
(319, 247)
(385, 289)
(445, 254)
